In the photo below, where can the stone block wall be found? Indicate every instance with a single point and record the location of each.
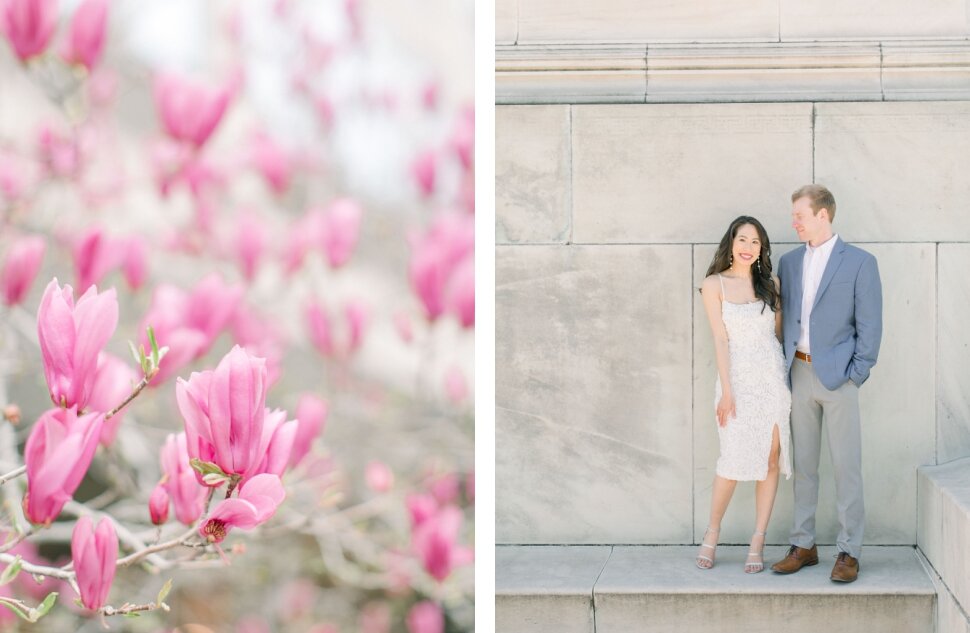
(607, 217)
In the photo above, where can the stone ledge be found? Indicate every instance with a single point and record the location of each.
(733, 72)
(944, 526)
(613, 589)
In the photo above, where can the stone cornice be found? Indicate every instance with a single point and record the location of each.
(896, 70)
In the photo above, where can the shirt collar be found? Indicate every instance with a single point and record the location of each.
(825, 247)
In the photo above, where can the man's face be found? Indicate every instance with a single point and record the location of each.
(808, 225)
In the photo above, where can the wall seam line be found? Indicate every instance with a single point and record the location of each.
(592, 591)
(572, 179)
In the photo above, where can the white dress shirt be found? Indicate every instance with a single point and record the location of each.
(813, 266)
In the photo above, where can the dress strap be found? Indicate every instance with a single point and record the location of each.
(721, 279)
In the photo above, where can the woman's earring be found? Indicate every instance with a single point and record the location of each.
(758, 264)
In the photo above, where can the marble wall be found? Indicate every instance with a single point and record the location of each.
(555, 21)
(607, 219)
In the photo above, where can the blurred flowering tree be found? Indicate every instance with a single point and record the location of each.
(236, 316)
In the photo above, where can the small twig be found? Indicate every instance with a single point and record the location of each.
(134, 394)
(13, 474)
(182, 540)
(41, 570)
(132, 608)
(6, 547)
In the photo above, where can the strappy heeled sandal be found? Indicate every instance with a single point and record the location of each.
(753, 567)
(699, 561)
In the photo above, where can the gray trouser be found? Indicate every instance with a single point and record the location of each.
(813, 405)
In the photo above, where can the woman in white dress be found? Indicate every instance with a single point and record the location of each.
(752, 398)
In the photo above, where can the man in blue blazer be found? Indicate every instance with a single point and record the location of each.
(832, 321)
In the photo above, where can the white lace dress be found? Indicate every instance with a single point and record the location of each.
(761, 395)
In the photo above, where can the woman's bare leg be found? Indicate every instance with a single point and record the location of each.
(721, 494)
(764, 494)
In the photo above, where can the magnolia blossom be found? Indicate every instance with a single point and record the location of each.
(250, 243)
(179, 482)
(190, 110)
(434, 541)
(257, 502)
(276, 444)
(272, 162)
(340, 231)
(460, 292)
(189, 322)
(426, 617)
(379, 477)
(71, 337)
(456, 387)
(311, 416)
(58, 453)
(224, 411)
(435, 257)
(29, 25)
(86, 37)
(420, 507)
(158, 504)
(94, 552)
(95, 255)
(20, 267)
(134, 263)
(338, 339)
(423, 170)
(113, 382)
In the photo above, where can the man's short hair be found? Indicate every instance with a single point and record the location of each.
(819, 197)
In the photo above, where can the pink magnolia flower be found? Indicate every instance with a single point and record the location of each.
(435, 543)
(463, 137)
(250, 243)
(444, 488)
(71, 337)
(158, 504)
(379, 477)
(113, 382)
(429, 95)
(134, 265)
(340, 231)
(460, 292)
(436, 255)
(94, 552)
(319, 328)
(336, 339)
(95, 255)
(29, 25)
(421, 507)
(272, 162)
(20, 268)
(180, 482)
(189, 109)
(426, 617)
(423, 170)
(58, 453)
(276, 444)
(59, 153)
(311, 416)
(188, 323)
(470, 487)
(86, 38)
(257, 502)
(224, 411)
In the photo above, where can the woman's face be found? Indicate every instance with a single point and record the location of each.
(747, 245)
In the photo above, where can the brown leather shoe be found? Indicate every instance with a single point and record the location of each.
(797, 558)
(846, 568)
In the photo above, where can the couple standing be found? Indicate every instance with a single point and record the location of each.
(798, 344)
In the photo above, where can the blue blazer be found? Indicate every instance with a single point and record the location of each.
(846, 325)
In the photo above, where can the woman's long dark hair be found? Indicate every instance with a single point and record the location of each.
(764, 287)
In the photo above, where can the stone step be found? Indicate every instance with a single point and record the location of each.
(620, 589)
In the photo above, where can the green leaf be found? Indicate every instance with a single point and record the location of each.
(10, 604)
(46, 605)
(133, 614)
(163, 592)
(10, 572)
(151, 338)
(134, 352)
(161, 354)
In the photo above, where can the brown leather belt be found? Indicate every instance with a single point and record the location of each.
(803, 356)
